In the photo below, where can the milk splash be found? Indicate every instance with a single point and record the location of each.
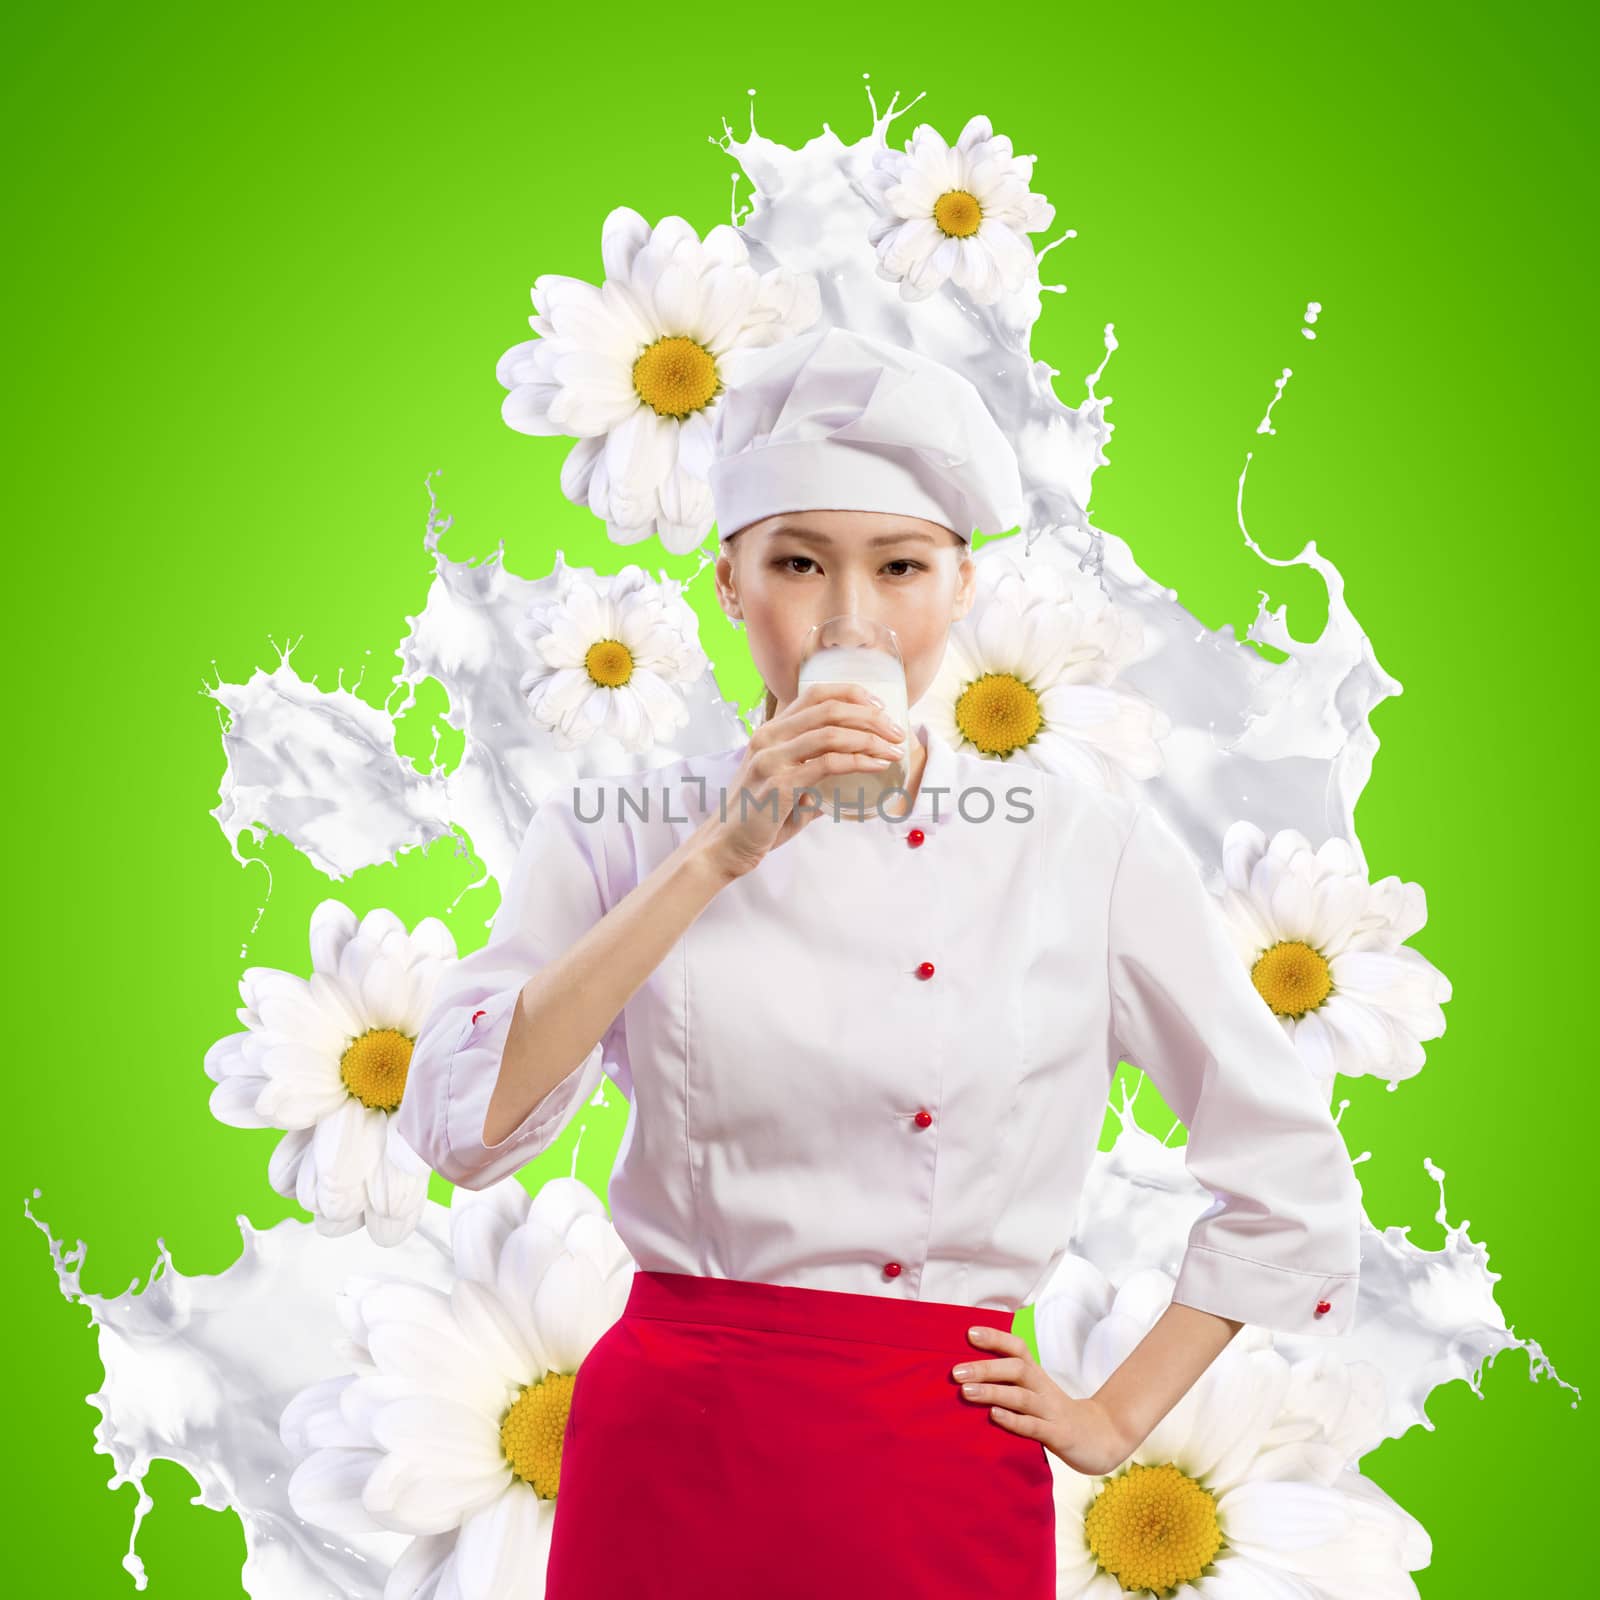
(1424, 1317)
(198, 1368)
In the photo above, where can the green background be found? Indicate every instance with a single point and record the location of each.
(262, 266)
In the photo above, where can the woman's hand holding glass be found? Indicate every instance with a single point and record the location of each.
(826, 730)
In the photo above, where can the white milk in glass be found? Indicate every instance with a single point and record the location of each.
(883, 675)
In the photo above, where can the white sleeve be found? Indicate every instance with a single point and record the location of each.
(1283, 1233)
(555, 894)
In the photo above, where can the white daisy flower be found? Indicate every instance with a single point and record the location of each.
(631, 368)
(1326, 951)
(1030, 674)
(1244, 1489)
(450, 1428)
(325, 1058)
(611, 655)
(960, 214)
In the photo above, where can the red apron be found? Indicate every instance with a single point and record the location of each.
(733, 1438)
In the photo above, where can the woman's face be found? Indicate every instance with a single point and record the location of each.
(788, 572)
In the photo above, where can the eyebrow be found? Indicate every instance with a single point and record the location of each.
(810, 536)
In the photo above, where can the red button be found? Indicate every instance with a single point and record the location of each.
(477, 1014)
(1322, 1306)
(891, 1269)
(925, 970)
(915, 837)
(924, 1118)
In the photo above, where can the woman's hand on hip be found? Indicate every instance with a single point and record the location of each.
(826, 730)
(1023, 1397)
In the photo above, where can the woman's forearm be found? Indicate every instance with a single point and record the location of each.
(565, 1008)
(1161, 1368)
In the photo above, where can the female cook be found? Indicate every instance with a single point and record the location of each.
(867, 1061)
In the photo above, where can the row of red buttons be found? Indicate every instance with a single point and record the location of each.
(893, 1269)
(923, 1119)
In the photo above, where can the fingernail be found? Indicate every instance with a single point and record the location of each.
(873, 698)
(961, 1372)
(972, 1333)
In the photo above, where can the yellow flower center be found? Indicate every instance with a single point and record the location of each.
(532, 1431)
(1292, 978)
(1153, 1528)
(374, 1068)
(610, 663)
(999, 713)
(957, 213)
(675, 376)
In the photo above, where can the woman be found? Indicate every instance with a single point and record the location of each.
(867, 1062)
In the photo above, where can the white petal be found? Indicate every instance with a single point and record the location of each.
(492, 1332)
(415, 1575)
(527, 409)
(1241, 1577)
(504, 1543)
(457, 1440)
(333, 926)
(435, 1364)
(1363, 1035)
(384, 993)
(346, 1146)
(327, 1489)
(233, 1102)
(412, 1496)
(579, 466)
(581, 316)
(1318, 1047)
(283, 1169)
(481, 1221)
(300, 1102)
(571, 1311)
(313, 1420)
(677, 300)
(621, 236)
(1280, 1520)
(290, 1011)
(339, 1004)
(638, 455)
(1240, 1398)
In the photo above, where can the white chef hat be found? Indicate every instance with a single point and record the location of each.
(835, 421)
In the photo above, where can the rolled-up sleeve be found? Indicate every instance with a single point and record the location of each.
(555, 894)
(1283, 1234)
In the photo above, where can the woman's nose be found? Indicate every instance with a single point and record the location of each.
(851, 597)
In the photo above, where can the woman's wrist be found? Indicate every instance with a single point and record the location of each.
(706, 858)
(1123, 1427)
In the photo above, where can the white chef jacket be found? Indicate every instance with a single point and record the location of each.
(879, 1062)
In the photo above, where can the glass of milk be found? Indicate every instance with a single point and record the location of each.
(851, 649)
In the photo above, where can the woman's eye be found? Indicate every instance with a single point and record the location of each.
(786, 564)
